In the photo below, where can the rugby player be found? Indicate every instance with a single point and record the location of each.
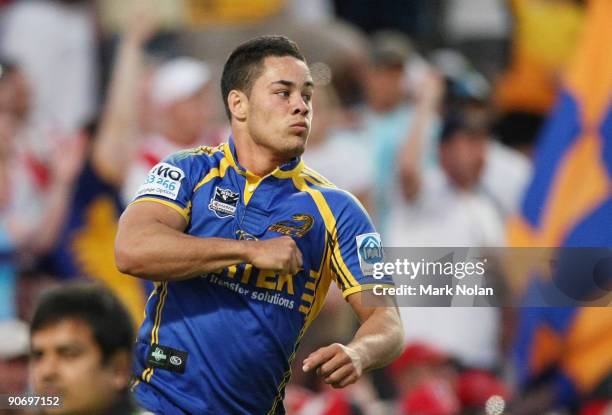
(243, 241)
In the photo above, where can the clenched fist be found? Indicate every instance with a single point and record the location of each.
(277, 254)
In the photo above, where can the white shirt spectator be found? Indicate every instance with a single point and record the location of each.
(55, 46)
(505, 177)
(446, 217)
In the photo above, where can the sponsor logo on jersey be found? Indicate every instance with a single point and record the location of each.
(158, 354)
(298, 226)
(163, 180)
(224, 202)
(370, 251)
(164, 357)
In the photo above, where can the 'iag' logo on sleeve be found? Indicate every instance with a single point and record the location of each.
(370, 251)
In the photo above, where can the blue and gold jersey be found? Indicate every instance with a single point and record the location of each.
(223, 343)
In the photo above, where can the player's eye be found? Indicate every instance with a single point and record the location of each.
(307, 97)
(283, 93)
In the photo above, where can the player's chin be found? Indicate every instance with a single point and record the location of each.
(295, 144)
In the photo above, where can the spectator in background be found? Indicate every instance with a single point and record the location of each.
(37, 194)
(506, 170)
(182, 97)
(54, 42)
(387, 115)
(84, 244)
(443, 206)
(14, 350)
(81, 342)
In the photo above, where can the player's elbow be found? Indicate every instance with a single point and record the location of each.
(131, 260)
(124, 259)
(127, 258)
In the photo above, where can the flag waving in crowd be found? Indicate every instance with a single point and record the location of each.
(568, 204)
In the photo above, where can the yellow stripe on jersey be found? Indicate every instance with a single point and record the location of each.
(330, 225)
(184, 212)
(157, 323)
(365, 287)
(321, 287)
(133, 386)
(288, 174)
(323, 281)
(145, 374)
(214, 172)
(314, 175)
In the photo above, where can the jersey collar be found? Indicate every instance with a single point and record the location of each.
(286, 171)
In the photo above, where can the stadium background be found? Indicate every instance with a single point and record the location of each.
(529, 81)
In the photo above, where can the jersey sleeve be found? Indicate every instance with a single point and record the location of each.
(357, 247)
(171, 182)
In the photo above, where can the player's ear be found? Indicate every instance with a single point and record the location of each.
(238, 104)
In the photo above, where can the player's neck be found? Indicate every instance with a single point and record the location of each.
(254, 157)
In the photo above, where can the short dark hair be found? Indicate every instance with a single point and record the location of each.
(244, 64)
(109, 321)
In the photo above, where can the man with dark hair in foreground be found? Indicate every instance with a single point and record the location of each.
(81, 344)
(244, 241)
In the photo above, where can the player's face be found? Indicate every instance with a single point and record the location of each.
(66, 362)
(280, 107)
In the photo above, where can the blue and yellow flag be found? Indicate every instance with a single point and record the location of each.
(569, 204)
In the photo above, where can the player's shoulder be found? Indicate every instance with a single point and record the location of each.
(202, 155)
(339, 200)
(194, 162)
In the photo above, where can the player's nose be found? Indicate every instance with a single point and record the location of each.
(301, 107)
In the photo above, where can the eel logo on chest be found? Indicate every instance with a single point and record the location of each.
(297, 227)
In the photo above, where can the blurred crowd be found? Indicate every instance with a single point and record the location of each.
(427, 111)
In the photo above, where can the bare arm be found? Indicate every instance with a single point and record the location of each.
(379, 340)
(66, 165)
(411, 155)
(151, 244)
(115, 143)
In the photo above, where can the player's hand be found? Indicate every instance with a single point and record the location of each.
(277, 254)
(338, 365)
